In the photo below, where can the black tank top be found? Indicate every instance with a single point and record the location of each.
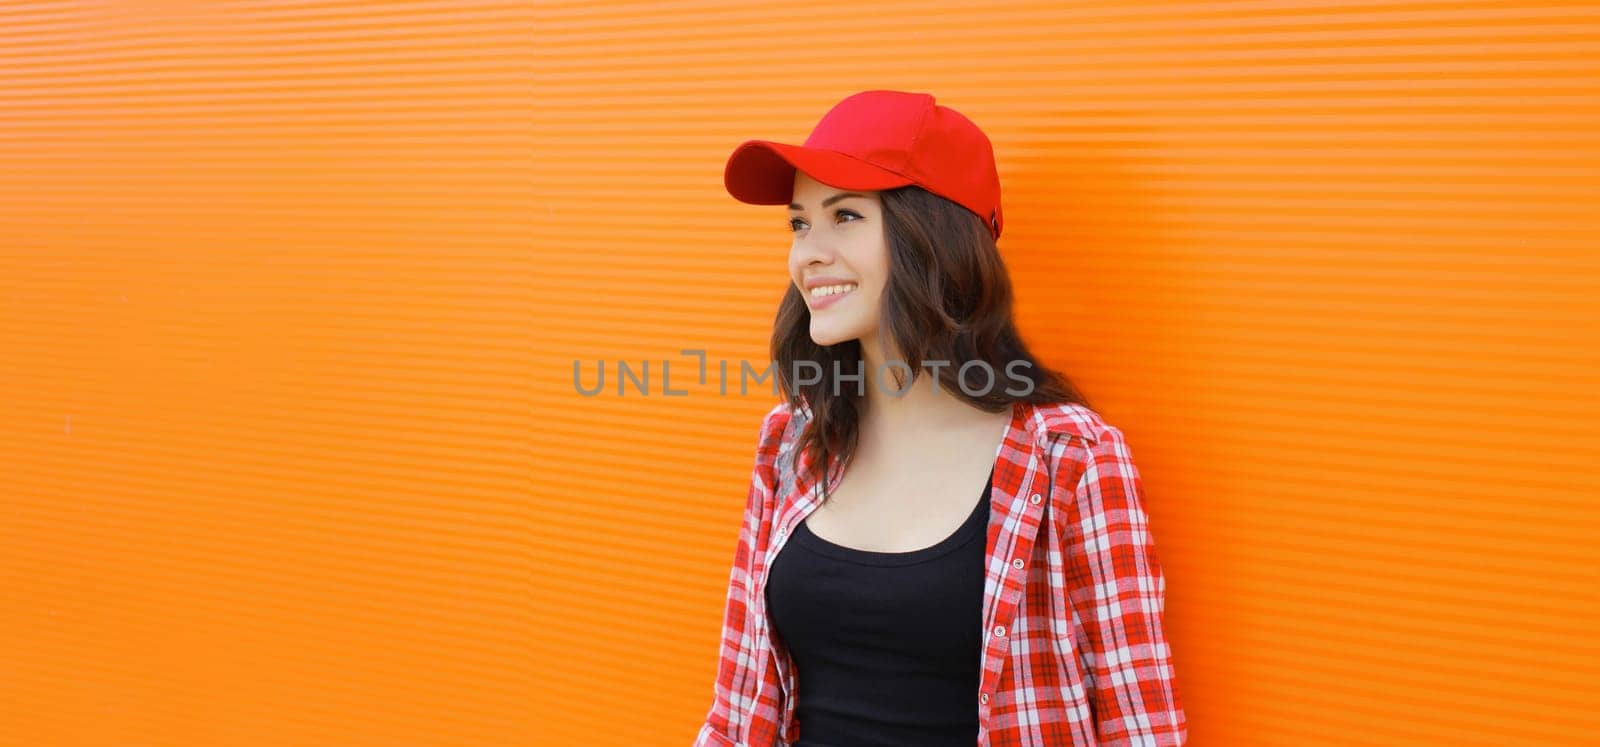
(886, 646)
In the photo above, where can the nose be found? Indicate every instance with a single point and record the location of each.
(811, 248)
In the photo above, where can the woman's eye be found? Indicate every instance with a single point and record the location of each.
(795, 224)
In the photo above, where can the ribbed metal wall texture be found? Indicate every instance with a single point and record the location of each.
(292, 451)
(265, 348)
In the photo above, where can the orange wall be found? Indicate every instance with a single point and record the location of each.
(290, 294)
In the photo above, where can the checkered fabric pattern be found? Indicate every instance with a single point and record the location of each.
(1074, 648)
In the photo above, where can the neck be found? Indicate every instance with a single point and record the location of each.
(926, 406)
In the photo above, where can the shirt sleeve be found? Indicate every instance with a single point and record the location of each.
(729, 721)
(1117, 593)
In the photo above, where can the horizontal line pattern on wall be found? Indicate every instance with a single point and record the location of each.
(282, 285)
(266, 346)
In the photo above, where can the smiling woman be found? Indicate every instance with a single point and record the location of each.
(848, 286)
(970, 558)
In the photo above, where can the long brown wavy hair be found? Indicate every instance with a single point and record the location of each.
(948, 298)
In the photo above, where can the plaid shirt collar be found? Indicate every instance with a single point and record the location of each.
(1031, 430)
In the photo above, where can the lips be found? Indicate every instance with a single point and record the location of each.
(823, 296)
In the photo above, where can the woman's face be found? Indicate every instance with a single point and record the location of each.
(839, 245)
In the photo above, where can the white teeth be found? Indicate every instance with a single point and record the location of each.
(830, 290)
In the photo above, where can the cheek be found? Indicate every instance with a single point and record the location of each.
(878, 271)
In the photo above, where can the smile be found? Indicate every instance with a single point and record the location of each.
(832, 290)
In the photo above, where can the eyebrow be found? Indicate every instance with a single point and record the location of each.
(829, 201)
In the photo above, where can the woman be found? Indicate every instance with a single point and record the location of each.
(974, 565)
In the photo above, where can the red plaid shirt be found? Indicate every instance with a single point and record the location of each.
(1074, 651)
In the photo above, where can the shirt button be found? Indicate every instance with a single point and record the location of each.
(1000, 631)
(1034, 499)
(1017, 564)
(983, 698)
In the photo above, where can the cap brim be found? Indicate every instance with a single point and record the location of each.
(761, 172)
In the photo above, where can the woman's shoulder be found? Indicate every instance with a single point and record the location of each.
(1095, 457)
(1077, 420)
(777, 429)
(1088, 446)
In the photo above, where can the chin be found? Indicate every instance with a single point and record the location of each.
(827, 337)
(825, 340)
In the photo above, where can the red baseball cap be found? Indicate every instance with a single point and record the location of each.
(877, 140)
